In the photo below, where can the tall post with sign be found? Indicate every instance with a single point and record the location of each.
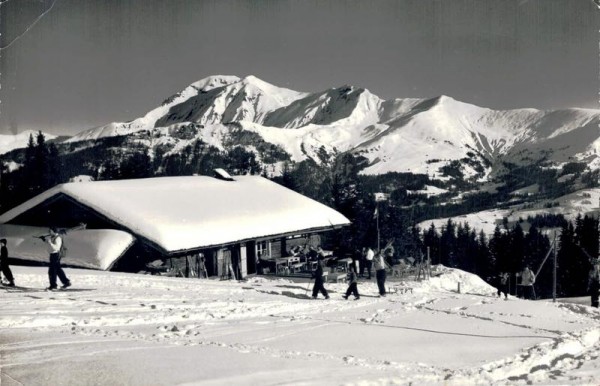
(378, 198)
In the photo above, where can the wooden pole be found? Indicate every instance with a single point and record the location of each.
(377, 218)
(428, 262)
(554, 272)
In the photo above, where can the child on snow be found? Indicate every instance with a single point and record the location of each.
(353, 284)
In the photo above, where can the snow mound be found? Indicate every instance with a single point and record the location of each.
(449, 279)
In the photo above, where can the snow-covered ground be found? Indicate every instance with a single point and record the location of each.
(125, 329)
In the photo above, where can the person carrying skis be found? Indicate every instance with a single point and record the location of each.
(319, 285)
(594, 283)
(353, 283)
(55, 246)
(4, 264)
(380, 273)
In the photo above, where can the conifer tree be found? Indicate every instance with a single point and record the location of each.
(569, 258)
(447, 244)
(517, 258)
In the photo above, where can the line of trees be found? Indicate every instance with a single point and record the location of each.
(510, 249)
(41, 169)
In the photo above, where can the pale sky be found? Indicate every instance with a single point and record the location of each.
(86, 63)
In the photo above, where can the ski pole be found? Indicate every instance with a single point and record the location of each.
(307, 285)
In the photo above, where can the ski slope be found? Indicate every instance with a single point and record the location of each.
(126, 329)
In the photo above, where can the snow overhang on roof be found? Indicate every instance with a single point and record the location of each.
(88, 248)
(183, 213)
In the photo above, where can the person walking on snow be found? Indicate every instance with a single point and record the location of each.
(353, 284)
(594, 283)
(54, 244)
(4, 264)
(319, 285)
(380, 272)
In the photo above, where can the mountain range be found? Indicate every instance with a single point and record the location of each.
(403, 135)
(399, 135)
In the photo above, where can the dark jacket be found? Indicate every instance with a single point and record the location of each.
(352, 277)
(318, 274)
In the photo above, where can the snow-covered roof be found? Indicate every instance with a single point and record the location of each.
(181, 213)
(91, 248)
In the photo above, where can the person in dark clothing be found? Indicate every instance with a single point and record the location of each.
(594, 283)
(318, 276)
(55, 244)
(353, 284)
(502, 284)
(4, 264)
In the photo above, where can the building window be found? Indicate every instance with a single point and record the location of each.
(263, 249)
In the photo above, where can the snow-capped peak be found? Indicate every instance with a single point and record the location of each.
(215, 81)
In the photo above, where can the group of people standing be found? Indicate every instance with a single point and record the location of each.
(55, 247)
(366, 261)
(528, 280)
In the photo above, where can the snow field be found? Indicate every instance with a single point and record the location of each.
(126, 329)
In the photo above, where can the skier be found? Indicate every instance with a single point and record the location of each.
(527, 280)
(503, 284)
(4, 264)
(55, 247)
(594, 283)
(353, 284)
(318, 276)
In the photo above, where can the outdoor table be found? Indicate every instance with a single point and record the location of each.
(283, 264)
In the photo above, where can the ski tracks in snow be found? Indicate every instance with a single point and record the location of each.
(252, 317)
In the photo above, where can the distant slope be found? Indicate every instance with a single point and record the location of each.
(585, 201)
(10, 142)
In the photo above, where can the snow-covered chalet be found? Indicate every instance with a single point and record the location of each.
(133, 222)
